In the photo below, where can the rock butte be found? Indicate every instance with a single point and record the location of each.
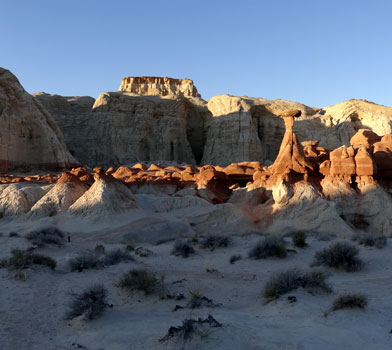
(159, 86)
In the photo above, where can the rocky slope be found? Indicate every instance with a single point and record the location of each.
(29, 137)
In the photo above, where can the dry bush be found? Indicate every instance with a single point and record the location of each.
(84, 261)
(182, 248)
(22, 259)
(270, 246)
(214, 241)
(91, 303)
(287, 281)
(299, 239)
(350, 301)
(49, 235)
(141, 280)
(339, 255)
(117, 256)
(189, 329)
(235, 258)
(370, 240)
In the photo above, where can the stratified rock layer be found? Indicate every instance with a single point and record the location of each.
(155, 118)
(159, 86)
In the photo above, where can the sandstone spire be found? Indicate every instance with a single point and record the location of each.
(291, 157)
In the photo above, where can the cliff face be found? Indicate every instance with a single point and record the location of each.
(154, 118)
(121, 128)
(159, 86)
(29, 137)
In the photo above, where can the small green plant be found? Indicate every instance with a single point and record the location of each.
(339, 255)
(140, 280)
(299, 239)
(270, 246)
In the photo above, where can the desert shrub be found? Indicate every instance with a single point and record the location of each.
(99, 249)
(130, 248)
(140, 280)
(117, 256)
(182, 248)
(20, 275)
(299, 239)
(339, 255)
(49, 235)
(91, 303)
(315, 279)
(22, 259)
(143, 252)
(234, 258)
(214, 241)
(189, 328)
(289, 280)
(370, 240)
(87, 260)
(283, 282)
(271, 246)
(4, 263)
(349, 301)
(198, 300)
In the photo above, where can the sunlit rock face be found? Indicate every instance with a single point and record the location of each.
(29, 137)
(159, 86)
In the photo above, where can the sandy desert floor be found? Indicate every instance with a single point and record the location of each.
(32, 311)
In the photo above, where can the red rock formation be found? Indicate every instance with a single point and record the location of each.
(291, 157)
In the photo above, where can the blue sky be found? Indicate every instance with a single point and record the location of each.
(315, 52)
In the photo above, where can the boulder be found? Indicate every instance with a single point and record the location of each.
(342, 161)
(364, 137)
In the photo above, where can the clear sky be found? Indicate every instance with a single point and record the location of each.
(317, 52)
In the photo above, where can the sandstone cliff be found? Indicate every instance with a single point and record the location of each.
(130, 125)
(29, 137)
